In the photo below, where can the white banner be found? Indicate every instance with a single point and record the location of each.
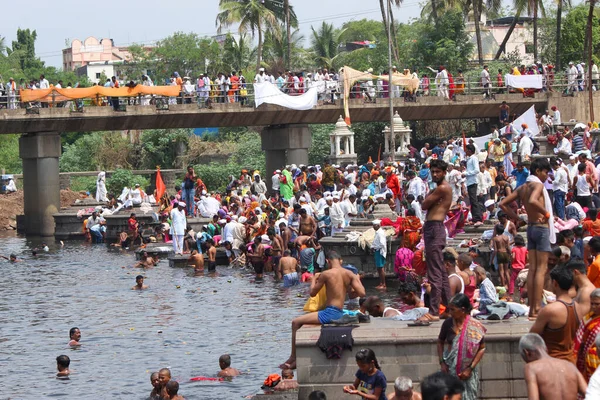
(270, 94)
(528, 118)
(524, 81)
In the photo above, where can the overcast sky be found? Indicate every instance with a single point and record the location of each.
(137, 21)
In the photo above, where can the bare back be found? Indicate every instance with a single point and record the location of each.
(552, 378)
(288, 265)
(531, 194)
(500, 243)
(338, 281)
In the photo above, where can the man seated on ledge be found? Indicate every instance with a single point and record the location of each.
(338, 282)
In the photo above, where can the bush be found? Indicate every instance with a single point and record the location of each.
(9, 154)
(124, 178)
(86, 183)
(320, 147)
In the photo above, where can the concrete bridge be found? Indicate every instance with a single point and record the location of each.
(285, 140)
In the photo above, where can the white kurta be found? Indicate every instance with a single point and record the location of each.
(101, 187)
(178, 225)
(379, 243)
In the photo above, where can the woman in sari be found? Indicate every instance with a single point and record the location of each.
(460, 83)
(411, 225)
(461, 345)
(585, 348)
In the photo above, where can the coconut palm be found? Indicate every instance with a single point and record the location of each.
(325, 43)
(383, 8)
(567, 4)
(238, 53)
(533, 8)
(277, 47)
(254, 16)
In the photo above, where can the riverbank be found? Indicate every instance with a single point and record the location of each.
(11, 205)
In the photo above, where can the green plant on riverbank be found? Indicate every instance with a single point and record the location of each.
(124, 178)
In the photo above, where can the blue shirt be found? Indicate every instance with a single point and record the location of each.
(369, 383)
(472, 170)
(520, 175)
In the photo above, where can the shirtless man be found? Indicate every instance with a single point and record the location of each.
(287, 381)
(308, 225)
(155, 393)
(286, 235)
(437, 203)
(172, 388)
(548, 378)
(164, 376)
(212, 255)
(540, 234)
(501, 251)
(75, 336)
(277, 248)
(257, 258)
(376, 308)
(145, 261)
(403, 390)
(288, 269)
(62, 365)
(225, 365)
(338, 282)
(12, 258)
(583, 285)
(139, 283)
(196, 260)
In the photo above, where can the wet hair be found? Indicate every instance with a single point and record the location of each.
(499, 229)
(577, 265)
(594, 244)
(63, 361)
(439, 164)
(366, 356)
(448, 256)
(408, 287)
(319, 395)
(461, 301)
(12, 257)
(153, 375)
(403, 384)
(333, 255)
(563, 277)
(139, 277)
(438, 385)
(225, 359)
(287, 252)
(532, 342)
(172, 387)
(166, 371)
(519, 241)
(72, 331)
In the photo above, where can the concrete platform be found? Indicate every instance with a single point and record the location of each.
(162, 250)
(412, 352)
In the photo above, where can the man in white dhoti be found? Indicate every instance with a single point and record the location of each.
(101, 187)
(178, 225)
(442, 83)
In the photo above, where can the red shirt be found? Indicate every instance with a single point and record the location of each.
(519, 257)
(132, 222)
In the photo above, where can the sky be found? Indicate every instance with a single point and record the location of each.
(137, 21)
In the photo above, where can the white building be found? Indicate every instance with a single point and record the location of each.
(94, 70)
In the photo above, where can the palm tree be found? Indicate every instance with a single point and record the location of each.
(394, 40)
(533, 8)
(277, 47)
(325, 43)
(238, 53)
(567, 4)
(252, 15)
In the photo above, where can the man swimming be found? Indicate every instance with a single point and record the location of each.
(172, 388)
(288, 269)
(287, 381)
(75, 335)
(338, 282)
(145, 261)
(164, 376)
(11, 258)
(212, 255)
(62, 365)
(225, 365)
(155, 394)
(196, 260)
(139, 283)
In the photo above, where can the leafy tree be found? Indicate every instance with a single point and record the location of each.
(161, 147)
(275, 49)
(134, 68)
(24, 46)
(124, 178)
(238, 54)
(253, 16)
(320, 147)
(9, 154)
(362, 30)
(80, 156)
(368, 137)
(325, 44)
(185, 53)
(573, 38)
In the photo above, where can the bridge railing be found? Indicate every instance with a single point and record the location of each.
(245, 95)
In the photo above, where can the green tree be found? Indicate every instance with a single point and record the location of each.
(9, 154)
(325, 44)
(134, 68)
(573, 38)
(253, 16)
(24, 47)
(238, 54)
(320, 147)
(275, 49)
(162, 147)
(124, 178)
(185, 53)
(368, 139)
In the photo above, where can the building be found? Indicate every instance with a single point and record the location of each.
(92, 50)
(493, 33)
(94, 70)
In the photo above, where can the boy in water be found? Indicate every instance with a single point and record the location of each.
(226, 370)
(155, 394)
(62, 365)
(196, 260)
(164, 376)
(287, 381)
(212, 255)
(75, 336)
(172, 388)
(139, 283)
(288, 269)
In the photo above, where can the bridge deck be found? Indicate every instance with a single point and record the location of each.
(230, 115)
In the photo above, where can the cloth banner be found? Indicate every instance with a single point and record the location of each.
(55, 94)
(524, 81)
(161, 188)
(528, 118)
(268, 93)
(350, 76)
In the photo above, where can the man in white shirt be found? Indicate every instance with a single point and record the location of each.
(547, 123)
(595, 75)
(415, 186)
(563, 146)
(442, 83)
(560, 187)
(448, 153)
(484, 183)
(572, 167)
(486, 82)
(379, 248)
(556, 117)
(208, 206)
(454, 179)
(260, 77)
(337, 215)
(525, 148)
(136, 195)
(571, 78)
(178, 225)
(424, 153)
(415, 206)
(275, 182)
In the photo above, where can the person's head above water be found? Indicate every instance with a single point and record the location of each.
(154, 379)
(75, 334)
(139, 280)
(164, 376)
(63, 362)
(225, 361)
(172, 388)
(410, 292)
(287, 373)
(374, 305)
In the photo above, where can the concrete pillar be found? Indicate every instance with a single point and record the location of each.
(275, 159)
(337, 146)
(295, 140)
(352, 145)
(40, 153)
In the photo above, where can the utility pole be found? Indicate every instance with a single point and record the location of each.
(390, 91)
(289, 35)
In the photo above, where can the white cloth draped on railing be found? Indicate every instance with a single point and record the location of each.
(270, 94)
(524, 81)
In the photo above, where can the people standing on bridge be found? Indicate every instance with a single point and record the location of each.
(486, 83)
(11, 93)
(187, 190)
(261, 76)
(442, 82)
(571, 78)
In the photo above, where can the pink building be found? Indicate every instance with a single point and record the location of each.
(92, 50)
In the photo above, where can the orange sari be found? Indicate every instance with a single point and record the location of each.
(410, 232)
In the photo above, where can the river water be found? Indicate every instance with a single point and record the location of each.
(183, 322)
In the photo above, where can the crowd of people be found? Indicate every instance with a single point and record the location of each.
(233, 87)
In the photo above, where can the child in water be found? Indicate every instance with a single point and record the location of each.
(155, 394)
(370, 382)
(225, 365)
(172, 389)
(62, 365)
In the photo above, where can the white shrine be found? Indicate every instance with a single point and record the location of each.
(401, 134)
(342, 144)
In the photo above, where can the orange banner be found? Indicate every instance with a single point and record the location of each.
(54, 94)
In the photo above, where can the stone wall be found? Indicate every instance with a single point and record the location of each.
(412, 352)
(576, 107)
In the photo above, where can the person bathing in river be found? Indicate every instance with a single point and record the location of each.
(226, 369)
(62, 365)
(197, 261)
(75, 336)
(155, 394)
(338, 282)
(288, 268)
(212, 255)
(139, 283)
(172, 388)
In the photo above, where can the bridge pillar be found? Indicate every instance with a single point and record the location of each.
(295, 140)
(40, 153)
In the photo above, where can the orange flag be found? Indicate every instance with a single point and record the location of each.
(160, 186)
